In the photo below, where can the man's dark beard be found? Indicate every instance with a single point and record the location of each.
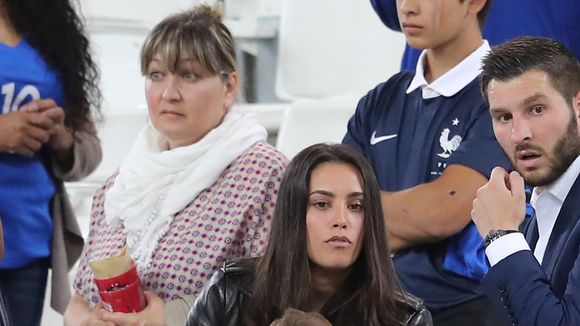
(565, 152)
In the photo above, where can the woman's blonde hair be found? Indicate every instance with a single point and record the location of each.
(198, 33)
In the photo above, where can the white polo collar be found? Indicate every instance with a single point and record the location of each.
(452, 81)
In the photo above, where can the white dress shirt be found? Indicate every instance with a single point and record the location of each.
(547, 201)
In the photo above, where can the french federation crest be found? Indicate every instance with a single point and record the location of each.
(448, 145)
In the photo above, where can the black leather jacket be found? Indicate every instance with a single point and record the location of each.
(222, 299)
(4, 321)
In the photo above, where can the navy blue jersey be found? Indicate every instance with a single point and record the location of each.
(410, 141)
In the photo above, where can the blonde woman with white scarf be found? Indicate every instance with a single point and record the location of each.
(199, 185)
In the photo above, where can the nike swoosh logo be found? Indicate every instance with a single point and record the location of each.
(375, 140)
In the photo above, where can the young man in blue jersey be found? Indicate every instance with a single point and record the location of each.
(429, 137)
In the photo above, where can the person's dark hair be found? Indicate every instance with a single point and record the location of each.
(521, 55)
(367, 297)
(53, 28)
(483, 13)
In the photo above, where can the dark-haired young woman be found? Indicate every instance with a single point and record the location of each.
(48, 85)
(327, 252)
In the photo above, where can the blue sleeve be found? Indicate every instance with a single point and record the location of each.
(518, 287)
(410, 58)
(555, 19)
(358, 128)
(387, 12)
(480, 150)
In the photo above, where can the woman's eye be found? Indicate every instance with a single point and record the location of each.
(155, 75)
(357, 207)
(189, 76)
(320, 204)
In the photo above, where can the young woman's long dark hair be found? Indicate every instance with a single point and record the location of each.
(283, 273)
(53, 28)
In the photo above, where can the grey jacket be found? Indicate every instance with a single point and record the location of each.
(67, 242)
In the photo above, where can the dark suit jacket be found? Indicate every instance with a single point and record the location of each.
(534, 295)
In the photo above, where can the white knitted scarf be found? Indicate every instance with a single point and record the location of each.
(155, 183)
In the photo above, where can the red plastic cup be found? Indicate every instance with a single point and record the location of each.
(122, 293)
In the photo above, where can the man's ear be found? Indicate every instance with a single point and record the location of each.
(576, 105)
(475, 6)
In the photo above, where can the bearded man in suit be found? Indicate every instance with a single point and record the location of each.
(532, 86)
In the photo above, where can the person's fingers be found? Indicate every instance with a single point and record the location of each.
(119, 318)
(517, 184)
(31, 145)
(498, 175)
(38, 105)
(97, 322)
(98, 311)
(39, 120)
(518, 193)
(38, 134)
(151, 297)
(56, 114)
(98, 316)
(23, 151)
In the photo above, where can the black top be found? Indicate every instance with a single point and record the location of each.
(222, 299)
